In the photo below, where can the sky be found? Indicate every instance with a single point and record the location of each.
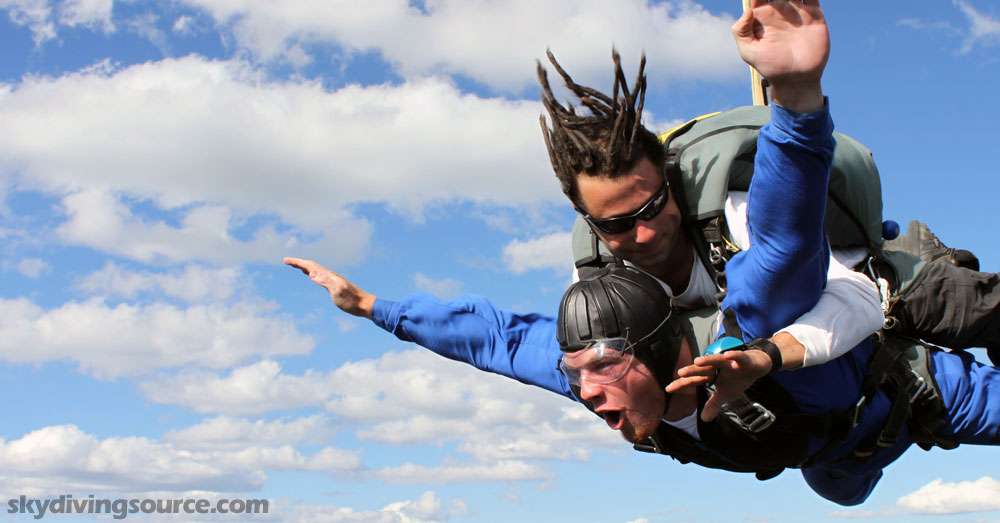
(158, 159)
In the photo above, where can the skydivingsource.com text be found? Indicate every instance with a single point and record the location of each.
(121, 508)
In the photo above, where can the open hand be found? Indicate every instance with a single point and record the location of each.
(787, 41)
(346, 296)
(732, 372)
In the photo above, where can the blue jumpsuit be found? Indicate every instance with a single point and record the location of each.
(771, 284)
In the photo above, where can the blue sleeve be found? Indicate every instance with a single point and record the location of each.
(472, 330)
(782, 274)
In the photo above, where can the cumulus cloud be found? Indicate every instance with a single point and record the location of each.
(63, 458)
(155, 161)
(227, 433)
(252, 389)
(102, 221)
(406, 398)
(938, 497)
(133, 340)
(463, 36)
(194, 283)
(553, 251)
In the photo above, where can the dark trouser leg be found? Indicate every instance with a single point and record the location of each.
(839, 488)
(953, 307)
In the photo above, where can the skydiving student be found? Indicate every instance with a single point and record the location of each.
(633, 362)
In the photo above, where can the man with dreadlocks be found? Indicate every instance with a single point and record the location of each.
(620, 348)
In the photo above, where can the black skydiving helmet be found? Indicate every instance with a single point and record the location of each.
(618, 312)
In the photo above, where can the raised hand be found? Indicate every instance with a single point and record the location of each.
(732, 373)
(788, 43)
(347, 296)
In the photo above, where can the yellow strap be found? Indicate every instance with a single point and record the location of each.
(663, 137)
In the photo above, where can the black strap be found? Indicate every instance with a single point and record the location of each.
(768, 347)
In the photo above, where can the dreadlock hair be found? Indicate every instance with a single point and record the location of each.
(607, 140)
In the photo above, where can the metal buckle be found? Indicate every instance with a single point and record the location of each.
(748, 415)
(857, 411)
(921, 387)
(715, 254)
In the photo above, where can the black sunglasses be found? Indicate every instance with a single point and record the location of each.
(648, 211)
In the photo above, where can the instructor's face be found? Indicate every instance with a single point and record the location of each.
(633, 405)
(649, 243)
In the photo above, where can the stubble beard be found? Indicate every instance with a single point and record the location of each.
(640, 431)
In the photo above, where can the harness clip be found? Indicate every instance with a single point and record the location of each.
(921, 388)
(748, 415)
(855, 418)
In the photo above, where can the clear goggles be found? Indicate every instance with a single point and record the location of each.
(602, 362)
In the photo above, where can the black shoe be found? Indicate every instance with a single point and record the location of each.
(932, 250)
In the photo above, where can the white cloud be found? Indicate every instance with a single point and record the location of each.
(36, 14)
(553, 251)
(494, 42)
(62, 458)
(184, 25)
(406, 398)
(32, 267)
(42, 16)
(133, 340)
(938, 497)
(426, 508)
(226, 433)
(983, 29)
(194, 284)
(147, 26)
(217, 144)
(253, 389)
(445, 289)
(101, 221)
(92, 13)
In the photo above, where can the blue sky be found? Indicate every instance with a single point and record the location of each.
(158, 159)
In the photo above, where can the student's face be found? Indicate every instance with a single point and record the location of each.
(633, 405)
(649, 243)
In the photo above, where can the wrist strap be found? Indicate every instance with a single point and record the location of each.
(771, 350)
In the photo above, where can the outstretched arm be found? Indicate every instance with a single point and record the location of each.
(470, 329)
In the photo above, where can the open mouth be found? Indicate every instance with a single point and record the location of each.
(613, 418)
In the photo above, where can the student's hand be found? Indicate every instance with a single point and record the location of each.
(346, 296)
(788, 43)
(732, 372)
